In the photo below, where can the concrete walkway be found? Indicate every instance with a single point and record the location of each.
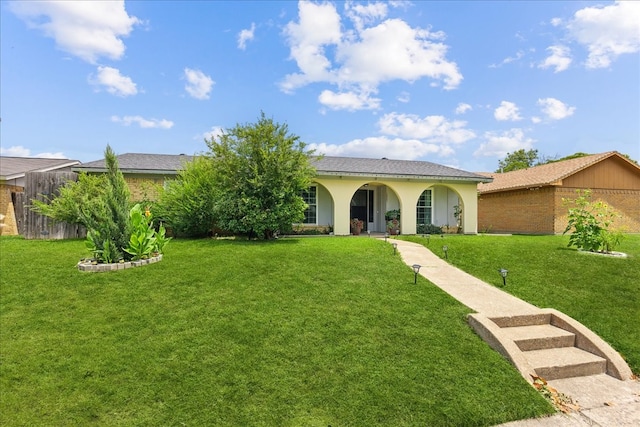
(603, 400)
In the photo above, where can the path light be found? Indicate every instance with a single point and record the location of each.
(386, 235)
(416, 269)
(369, 233)
(428, 238)
(395, 248)
(445, 248)
(503, 273)
(398, 232)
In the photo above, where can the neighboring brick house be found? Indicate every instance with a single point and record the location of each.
(144, 173)
(12, 181)
(345, 188)
(529, 201)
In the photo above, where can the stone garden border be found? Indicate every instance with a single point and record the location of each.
(88, 265)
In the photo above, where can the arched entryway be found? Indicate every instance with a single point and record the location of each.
(370, 204)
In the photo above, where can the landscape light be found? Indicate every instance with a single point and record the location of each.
(503, 273)
(395, 248)
(445, 248)
(428, 238)
(369, 233)
(416, 269)
(386, 235)
(398, 232)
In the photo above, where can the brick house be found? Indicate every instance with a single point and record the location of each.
(13, 171)
(144, 173)
(529, 201)
(345, 188)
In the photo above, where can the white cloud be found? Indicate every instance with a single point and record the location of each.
(114, 82)
(509, 59)
(366, 56)
(350, 101)
(20, 151)
(88, 30)
(555, 109)
(498, 144)
(607, 32)
(463, 108)
(361, 14)
(404, 97)
(214, 132)
(431, 128)
(246, 35)
(507, 111)
(198, 85)
(379, 147)
(142, 122)
(560, 58)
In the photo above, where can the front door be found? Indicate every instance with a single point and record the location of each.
(362, 207)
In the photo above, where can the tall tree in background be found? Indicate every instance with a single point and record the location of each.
(260, 172)
(520, 159)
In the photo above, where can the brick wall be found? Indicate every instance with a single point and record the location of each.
(144, 187)
(521, 211)
(624, 202)
(10, 227)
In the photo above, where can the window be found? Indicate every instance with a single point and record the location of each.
(310, 198)
(423, 208)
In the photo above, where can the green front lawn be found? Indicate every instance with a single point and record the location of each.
(603, 293)
(313, 332)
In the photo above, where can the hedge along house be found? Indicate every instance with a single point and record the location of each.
(345, 188)
(530, 200)
(14, 174)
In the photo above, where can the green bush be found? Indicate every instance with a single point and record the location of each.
(591, 222)
(187, 203)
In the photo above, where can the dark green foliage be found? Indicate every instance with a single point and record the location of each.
(187, 203)
(428, 229)
(520, 159)
(260, 172)
(117, 201)
(101, 204)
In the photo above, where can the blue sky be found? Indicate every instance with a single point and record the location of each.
(457, 83)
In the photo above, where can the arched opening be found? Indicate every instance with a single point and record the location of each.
(319, 212)
(370, 204)
(441, 206)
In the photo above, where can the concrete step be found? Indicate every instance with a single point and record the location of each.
(539, 337)
(565, 362)
(522, 320)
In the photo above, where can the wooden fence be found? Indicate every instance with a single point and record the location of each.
(40, 186)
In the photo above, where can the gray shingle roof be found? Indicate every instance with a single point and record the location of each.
(352, 166)
(140, 163)
(17, 167)
(345, 166)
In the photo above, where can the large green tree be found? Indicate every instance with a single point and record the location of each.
(520, 159)
(260, 172)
